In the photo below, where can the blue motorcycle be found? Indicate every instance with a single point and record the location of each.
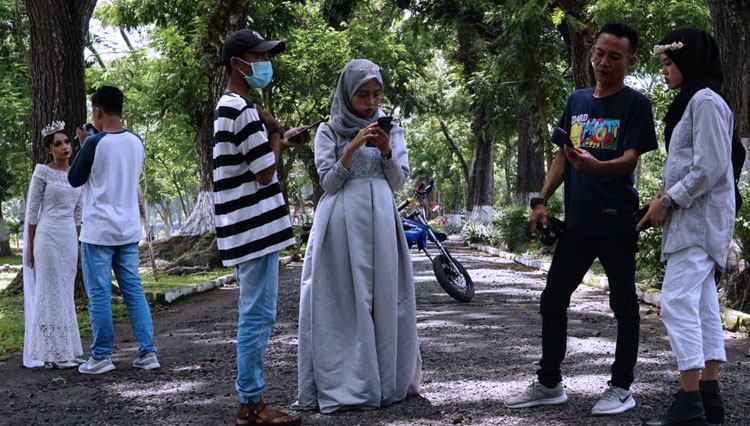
(449, 272)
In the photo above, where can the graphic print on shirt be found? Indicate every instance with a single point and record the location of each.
(594, 133)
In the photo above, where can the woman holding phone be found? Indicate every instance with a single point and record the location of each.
(358, 345)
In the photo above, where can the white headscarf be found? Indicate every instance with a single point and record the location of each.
(344, 120)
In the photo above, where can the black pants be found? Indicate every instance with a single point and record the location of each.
(572, 259)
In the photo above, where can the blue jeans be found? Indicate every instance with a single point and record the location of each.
(258, 281)
(98, 263)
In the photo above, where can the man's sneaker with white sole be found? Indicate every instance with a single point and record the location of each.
(96, 366)
(147, 362)
(538, 394)
(614, 400)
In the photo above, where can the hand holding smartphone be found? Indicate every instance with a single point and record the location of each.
(303, 130)
(638, 215)
(566, 137)
(385, 123)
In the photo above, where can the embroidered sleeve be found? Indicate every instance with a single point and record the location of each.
(396, 168)
(332, 173)
(78, 211)
(38, 184)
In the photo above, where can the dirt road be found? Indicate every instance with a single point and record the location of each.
(475, 355)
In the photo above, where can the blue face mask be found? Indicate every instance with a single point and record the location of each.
(262, 73)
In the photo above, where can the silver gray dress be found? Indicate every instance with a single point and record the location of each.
(358, 345)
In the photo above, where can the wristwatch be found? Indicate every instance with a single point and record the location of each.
(280, 130)
(536, 200)
(666, 201)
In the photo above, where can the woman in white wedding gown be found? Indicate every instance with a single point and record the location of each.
(51, 256)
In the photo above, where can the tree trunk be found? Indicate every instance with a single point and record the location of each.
(730, 19)
(454, 149)
(578, 32)
(530, 171)
(4, 238)
(229, 16)
(58, 82)
(481, 173)
(57, 36)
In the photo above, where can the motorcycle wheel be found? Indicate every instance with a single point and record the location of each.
(457, 284)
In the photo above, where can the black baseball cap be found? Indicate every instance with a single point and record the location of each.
(243, 41)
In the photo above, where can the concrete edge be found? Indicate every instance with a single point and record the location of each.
(732, 320)
(170, 296)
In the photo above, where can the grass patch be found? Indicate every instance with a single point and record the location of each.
(11, 325)
(171, 282)
(12, 322)
(15, 259)
(12, 319)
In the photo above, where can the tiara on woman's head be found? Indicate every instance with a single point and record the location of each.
(53, 127)
(663, 48)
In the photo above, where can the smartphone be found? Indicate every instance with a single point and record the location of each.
(566, 137)
(385, 123)
(304, 129)
(637, 216)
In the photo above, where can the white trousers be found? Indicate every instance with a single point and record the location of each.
(690, 309)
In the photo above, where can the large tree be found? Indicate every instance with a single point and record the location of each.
(730, 21)
(57, 37)
(474, 42)
(578, 30)
(227, 17)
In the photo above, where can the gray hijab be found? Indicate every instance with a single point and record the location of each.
(344, 121)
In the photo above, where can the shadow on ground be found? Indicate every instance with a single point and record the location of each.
(475, 355)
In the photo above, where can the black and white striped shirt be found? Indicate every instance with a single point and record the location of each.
(251, 219)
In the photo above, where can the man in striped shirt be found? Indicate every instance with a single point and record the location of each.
(252, 221)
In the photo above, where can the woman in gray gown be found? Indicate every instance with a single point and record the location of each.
(358, 345)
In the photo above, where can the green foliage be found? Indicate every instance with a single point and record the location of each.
(11, 260)
(476, 232)
(15, 101)
(452, 229)
(650, 268)
(555, 207)
(513, 223)
(742, 223)
(11, 325)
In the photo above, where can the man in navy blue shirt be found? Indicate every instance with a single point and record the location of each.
(602, 132)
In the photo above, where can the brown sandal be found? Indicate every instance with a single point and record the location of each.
(260, 414)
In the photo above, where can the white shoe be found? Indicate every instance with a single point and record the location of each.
(538, 394)
(96, 366)
(147, 362)
(614, 400)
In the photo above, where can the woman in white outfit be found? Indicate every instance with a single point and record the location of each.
(696, 206)
(51, 258)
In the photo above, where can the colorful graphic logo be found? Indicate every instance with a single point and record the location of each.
(595, 133)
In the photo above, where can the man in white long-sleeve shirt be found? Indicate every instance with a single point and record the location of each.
(109, 166)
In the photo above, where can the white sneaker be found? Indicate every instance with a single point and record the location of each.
(614, 400)
(96, 366)
(147, 362)
(538, 394)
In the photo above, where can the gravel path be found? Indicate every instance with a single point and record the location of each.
(475, 355)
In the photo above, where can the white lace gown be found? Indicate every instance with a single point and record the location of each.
(55, 208)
